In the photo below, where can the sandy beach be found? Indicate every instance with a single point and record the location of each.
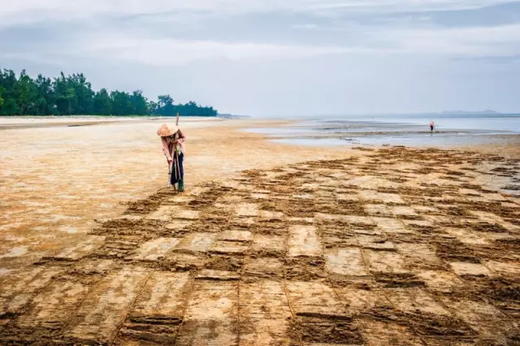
(271, 244)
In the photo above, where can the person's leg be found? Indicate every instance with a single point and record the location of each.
(174, 178)
(181, 172)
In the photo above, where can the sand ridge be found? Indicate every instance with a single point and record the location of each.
(392, 245)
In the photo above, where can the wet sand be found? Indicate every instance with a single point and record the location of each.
(271, 244)
(56, 179)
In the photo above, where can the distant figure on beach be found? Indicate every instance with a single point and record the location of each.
(172, 140)
(432, 126)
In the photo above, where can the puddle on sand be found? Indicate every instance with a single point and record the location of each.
(69, 229)
(15, 252)
(4, 271)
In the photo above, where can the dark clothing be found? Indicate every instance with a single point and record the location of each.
(173, 148)
(177, 168)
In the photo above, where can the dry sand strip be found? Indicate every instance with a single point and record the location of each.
(394, 246)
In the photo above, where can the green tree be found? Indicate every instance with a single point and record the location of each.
(64, 95)
(83, 94)
(192, 108)
(139, 103)
(165, 105)
(45, 96)
(8, 83)
(26, 94)
(73, 94)
(152, 107)
(121, 103)
(102, 103)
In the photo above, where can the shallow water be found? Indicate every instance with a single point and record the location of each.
(411, 130)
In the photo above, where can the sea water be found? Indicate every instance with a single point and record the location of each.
(410, 130)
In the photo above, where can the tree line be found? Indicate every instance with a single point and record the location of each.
(73, 95)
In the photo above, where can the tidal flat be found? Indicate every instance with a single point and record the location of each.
(270, 244)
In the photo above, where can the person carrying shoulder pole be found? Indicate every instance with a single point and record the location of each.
(172, 140)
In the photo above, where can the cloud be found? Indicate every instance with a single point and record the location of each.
(308, 26)
(28, 11)
(110, 42)
(456, 42)
(473, 41)
(170, 52)
(377, 6)
(356, 54)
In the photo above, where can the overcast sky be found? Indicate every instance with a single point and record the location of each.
(290, 57)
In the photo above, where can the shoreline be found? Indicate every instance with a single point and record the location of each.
(378, 134)
(22, 122)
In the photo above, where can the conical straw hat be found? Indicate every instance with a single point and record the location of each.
(166, 130)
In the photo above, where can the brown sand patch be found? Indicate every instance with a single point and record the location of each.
(320, 264)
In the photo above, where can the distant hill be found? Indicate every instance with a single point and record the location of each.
(487, 111)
